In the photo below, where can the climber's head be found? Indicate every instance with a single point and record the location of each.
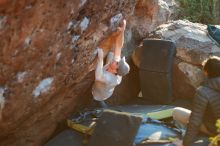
(120, 68)
(123, 67)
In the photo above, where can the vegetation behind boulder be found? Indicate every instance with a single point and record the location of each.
(202, 11)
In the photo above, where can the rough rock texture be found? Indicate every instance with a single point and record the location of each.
(47, 51)
(193, 46)
(148, 14)
(173, 7)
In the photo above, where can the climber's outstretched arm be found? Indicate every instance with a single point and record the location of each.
(110, 58)
(99, 67)
(119, 40)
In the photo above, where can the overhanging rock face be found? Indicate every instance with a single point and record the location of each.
(47, 51)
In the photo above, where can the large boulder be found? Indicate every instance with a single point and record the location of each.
(193, 47)
(47, 51)
(47, 56)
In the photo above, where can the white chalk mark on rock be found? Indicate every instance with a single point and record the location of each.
(2, 100)
(27, 41)
(70, 25)
(58, 56)
(82, 2)
(115, 20)
(84, 24)
(21, 76)
(43, 86)
(75, 38)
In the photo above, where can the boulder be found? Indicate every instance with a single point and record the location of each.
(148, 15)
(48, 49)
(192, 41)
(48, 53)
(193, 47)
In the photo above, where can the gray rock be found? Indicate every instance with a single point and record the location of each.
(193, 47)
(148, 15)
(192, 41)
(193, 73)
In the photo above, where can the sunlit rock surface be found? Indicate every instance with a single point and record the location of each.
(193, 47)
(47, 55)
(48, 49)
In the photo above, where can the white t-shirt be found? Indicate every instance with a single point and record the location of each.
(102, 90)
(105, 81)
